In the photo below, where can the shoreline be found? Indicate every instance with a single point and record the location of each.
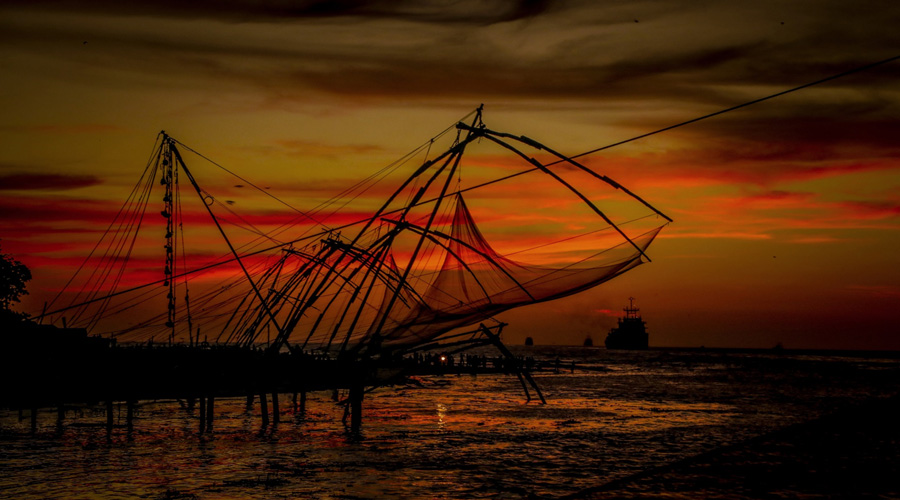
(857, 353)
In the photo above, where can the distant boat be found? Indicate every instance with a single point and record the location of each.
(630, 333)
(588, 341)
(529, 341)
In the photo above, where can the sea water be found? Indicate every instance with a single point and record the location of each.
(450, 436)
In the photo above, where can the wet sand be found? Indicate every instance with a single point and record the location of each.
(852, 453)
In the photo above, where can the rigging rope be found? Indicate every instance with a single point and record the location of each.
(477, 186)
(695, 120)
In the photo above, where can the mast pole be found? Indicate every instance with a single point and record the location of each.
(169, 181)
(222, 232)
(537, 145)
(331, 275)
(437, 204)
(562, 181)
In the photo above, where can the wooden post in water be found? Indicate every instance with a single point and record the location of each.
(202, 414)
(275, 412)
(210, 411)
(109, 415)
(356, 396)
(294, 402)
(249, 407)
(129, 414)
(264, 408)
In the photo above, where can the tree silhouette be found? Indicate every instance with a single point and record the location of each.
(13, 277)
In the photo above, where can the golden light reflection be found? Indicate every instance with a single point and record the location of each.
(441, 412)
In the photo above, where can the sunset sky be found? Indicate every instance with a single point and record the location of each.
(787, 213)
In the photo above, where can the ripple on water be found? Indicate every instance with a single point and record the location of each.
(443, 437)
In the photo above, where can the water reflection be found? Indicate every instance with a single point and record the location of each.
(441, 411)
(634, 411)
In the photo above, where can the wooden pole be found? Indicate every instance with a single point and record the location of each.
(264, 408)
(495, 339)
(355, 396)
(129, 415)
(249, 407)
(234, 252)
(210, 411)
(202, 414)
(109, 415)
(275, 412)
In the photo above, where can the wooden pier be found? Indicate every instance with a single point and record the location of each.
(41, 372)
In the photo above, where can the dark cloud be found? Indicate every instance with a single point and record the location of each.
(35, 213)
(469, 11)
(823, 133)
(415, 50)
(809, 133)
(738, 166)
(80, 128)
(18, 212)
(46, 182)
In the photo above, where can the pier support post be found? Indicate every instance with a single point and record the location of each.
(129, 415)
(356, 397)
(249, 407)
(210, 411)
(275, 411)
(109, 415)
(264, 408)
(202, 401)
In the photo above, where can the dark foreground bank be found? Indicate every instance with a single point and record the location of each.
(852, 453)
